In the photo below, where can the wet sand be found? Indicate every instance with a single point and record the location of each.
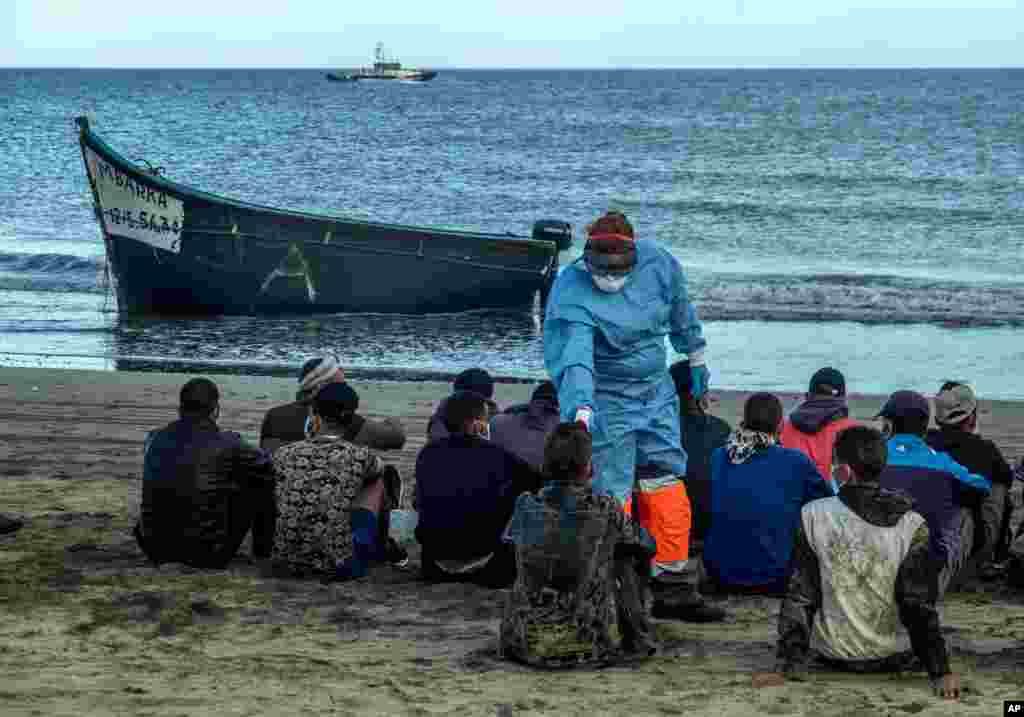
(88, 628)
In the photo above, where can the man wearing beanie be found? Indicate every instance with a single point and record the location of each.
(332, 494)
(523, 433)
(288, 423)
(956, 413)
(812, 428)
(943, 491)
(475, 380)
(604, 348)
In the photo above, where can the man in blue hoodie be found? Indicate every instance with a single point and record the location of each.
(944, 492)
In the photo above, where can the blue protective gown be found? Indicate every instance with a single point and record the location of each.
(608, 351)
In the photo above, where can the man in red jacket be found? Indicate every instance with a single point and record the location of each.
(812, 428)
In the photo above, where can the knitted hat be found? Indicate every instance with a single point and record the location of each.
(317, 376)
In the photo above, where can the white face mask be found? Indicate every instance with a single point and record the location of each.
(609, 284)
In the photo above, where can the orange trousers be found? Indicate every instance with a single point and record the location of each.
(663, 510)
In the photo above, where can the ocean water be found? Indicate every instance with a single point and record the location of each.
(872, 220)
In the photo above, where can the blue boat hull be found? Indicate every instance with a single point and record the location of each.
(177, 250)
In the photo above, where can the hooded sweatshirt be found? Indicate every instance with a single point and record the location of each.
(861, 571)
(523, 433)
(812, 429)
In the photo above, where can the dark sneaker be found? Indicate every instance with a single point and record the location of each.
(691, 611)
(395, 554)
(10, 525)
(993, 570)
(394, 490)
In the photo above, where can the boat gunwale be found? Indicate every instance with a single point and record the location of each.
(87, 137)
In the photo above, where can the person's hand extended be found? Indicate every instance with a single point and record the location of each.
(948, 688)
(768, 679)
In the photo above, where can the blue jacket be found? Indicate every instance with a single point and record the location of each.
(755, 511)
(940, 487)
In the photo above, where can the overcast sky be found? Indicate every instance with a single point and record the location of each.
(523, 33)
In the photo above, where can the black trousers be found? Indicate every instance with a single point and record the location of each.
(254, 509)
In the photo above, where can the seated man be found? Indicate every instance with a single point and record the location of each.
(331, 494)
(582, 561)
(203, 489)
(524, 433)
(287, 424)
(465, 491)
(476, 380)
(757, 491)
(944, 492)
(860, 561)
(701, 435)
(956, 413)
(812, 428)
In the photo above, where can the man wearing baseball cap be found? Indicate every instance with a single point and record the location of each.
(956, 413)
(812, 428)
(943, 491)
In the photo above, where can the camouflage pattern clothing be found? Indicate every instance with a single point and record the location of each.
(317, 480)
(578, 593)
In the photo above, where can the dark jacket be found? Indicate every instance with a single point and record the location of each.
(465, 492)
(940, 487)
(826, 550)
(287, 424)
(524, 433)
(701, 435)
(983, 457)
(755, 509)
(193, 475)
(976, 454)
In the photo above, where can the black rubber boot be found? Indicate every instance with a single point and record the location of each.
(10, 525)
(676, 598)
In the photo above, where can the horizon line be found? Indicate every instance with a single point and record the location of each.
(497, 68)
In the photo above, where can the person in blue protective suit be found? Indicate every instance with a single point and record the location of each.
(604, 347)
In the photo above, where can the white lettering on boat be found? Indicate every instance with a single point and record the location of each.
(133, 210)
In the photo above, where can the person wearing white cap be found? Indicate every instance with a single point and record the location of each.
(956, 413)
(289, 423)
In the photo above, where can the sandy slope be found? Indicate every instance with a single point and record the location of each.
(86, 627)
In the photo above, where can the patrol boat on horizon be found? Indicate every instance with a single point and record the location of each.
(384, 68)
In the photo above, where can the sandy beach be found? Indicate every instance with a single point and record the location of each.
(87, 627)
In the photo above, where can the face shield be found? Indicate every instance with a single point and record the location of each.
(610, 259)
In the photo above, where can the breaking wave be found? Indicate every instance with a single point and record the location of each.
(862, 298)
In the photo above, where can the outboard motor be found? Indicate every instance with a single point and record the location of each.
(555, 231)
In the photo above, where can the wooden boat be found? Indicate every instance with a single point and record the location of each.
(177, 250)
